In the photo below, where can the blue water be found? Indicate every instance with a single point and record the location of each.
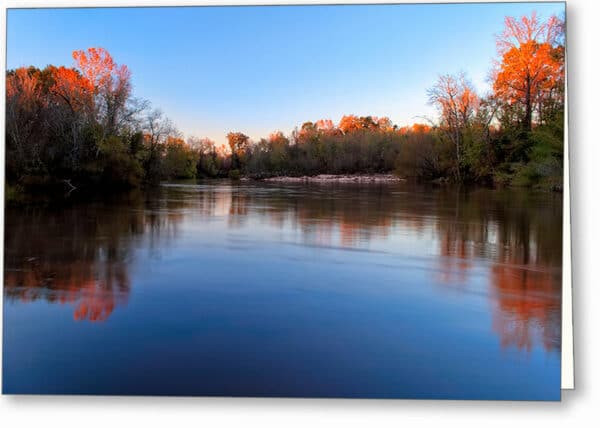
(378, 291)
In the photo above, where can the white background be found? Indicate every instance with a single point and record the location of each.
(577, 407)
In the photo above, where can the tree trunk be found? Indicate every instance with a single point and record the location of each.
(528, 106)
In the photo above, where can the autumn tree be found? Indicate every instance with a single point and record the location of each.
(72, 115)
(457, 103)
(351, 123)
(326, 126)
(24, 109)
(111, 86)
(75, 90)
(530, 72)
(81, 126)
(420, 128)
(46, 112)
(384, 124)
(238, 143)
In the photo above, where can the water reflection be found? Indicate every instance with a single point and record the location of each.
(80, 253)
(503, 245)
(521, 237)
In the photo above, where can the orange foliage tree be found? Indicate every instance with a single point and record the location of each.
(73, 88)
(531, 66)
(456, 100)
(111, 86)
(24, 102)
(325, 125)
(238, 143)
(352, 123)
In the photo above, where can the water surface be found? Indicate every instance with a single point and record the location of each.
(286, 290)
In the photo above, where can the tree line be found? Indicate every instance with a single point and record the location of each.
(511, 136)
(82, 126)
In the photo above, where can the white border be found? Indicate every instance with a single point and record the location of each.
(567, 374)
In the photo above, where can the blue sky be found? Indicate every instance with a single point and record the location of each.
(258, 69)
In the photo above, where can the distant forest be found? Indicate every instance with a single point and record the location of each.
(81, 127)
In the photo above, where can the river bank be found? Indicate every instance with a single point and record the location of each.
(337, 178)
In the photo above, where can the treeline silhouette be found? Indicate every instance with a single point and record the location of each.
(82, 126)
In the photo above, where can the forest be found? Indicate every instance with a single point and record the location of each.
(82, 127)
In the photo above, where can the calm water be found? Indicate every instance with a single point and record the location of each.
(275, 290)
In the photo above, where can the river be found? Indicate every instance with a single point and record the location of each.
(320, 290)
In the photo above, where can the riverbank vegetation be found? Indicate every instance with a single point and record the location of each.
(77, 127)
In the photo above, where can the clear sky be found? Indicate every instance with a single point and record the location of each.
(258, 69)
